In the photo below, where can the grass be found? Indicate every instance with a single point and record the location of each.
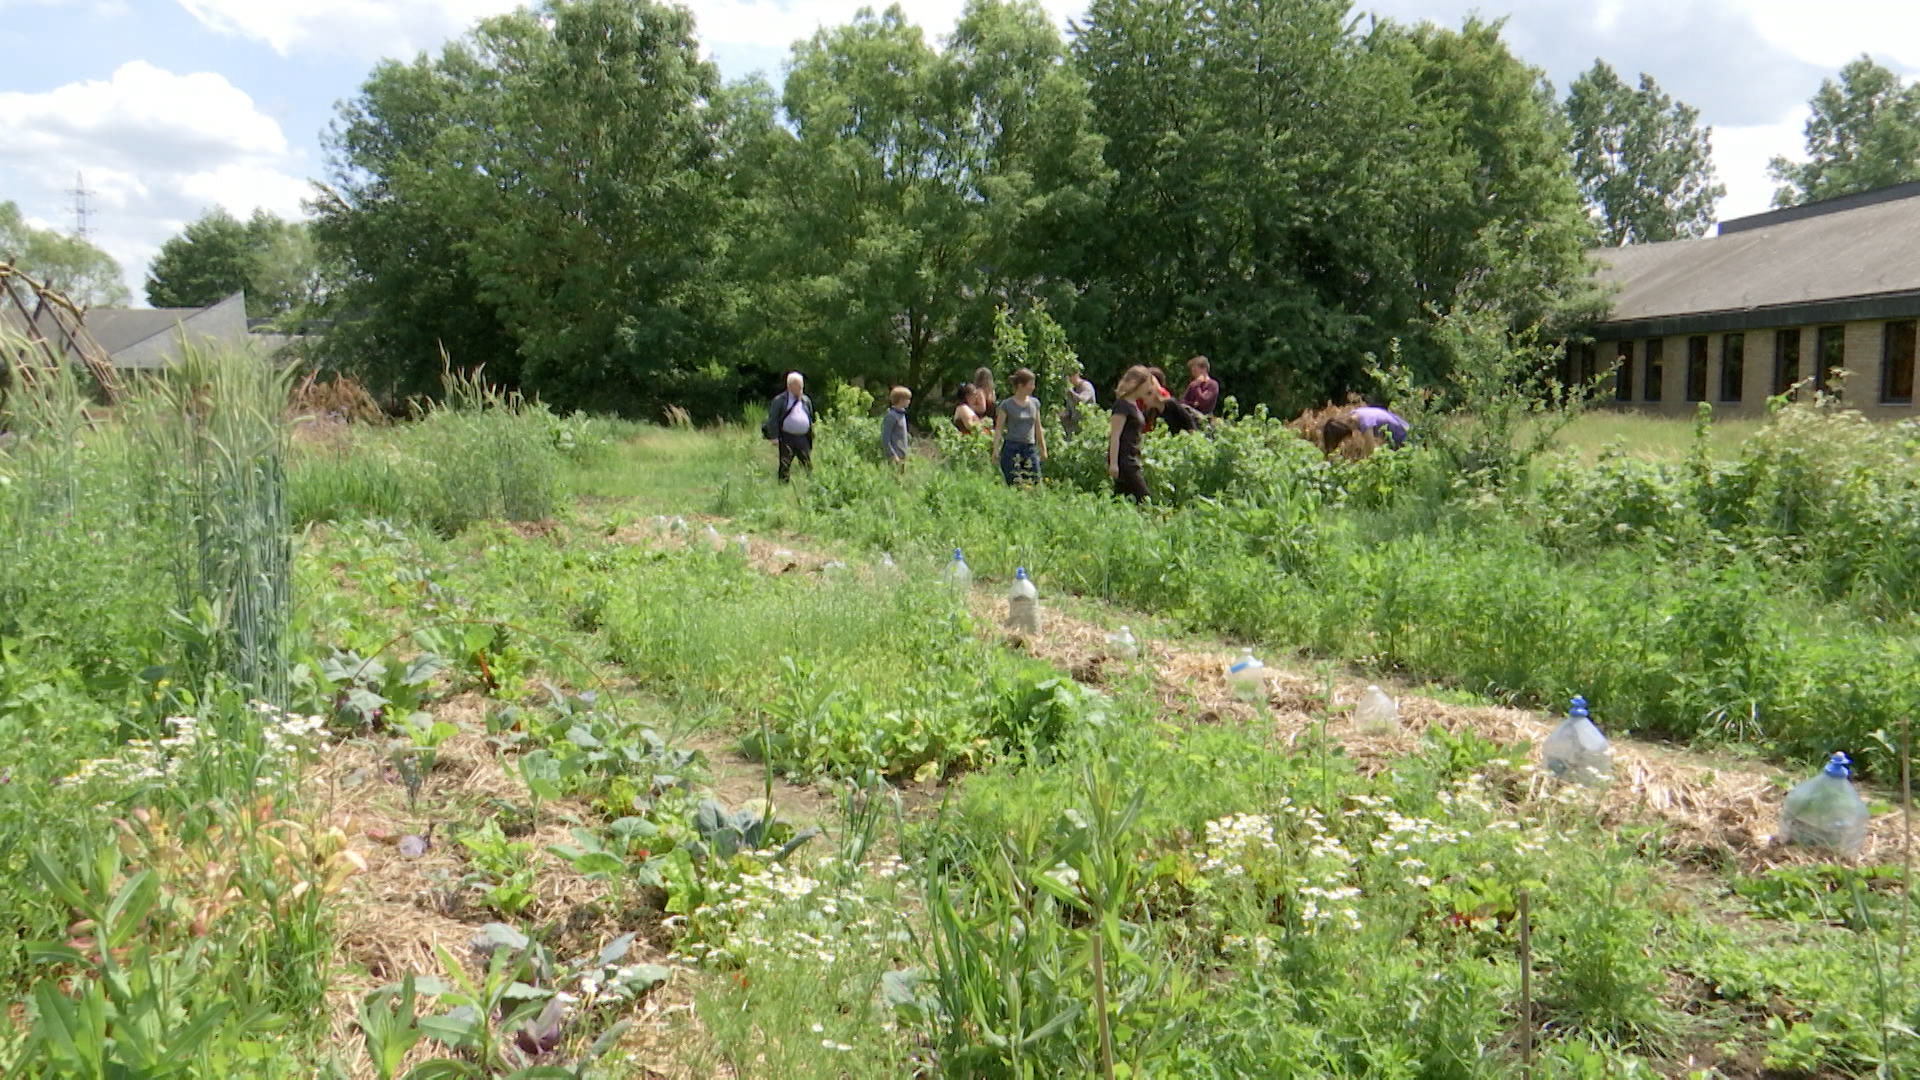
(1652, 438)
(1033, 862)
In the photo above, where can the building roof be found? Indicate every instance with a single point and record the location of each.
(1856, 257)
(150, 337)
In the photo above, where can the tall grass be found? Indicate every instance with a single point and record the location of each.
(210, 448)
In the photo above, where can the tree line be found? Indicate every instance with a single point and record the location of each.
(571, 196)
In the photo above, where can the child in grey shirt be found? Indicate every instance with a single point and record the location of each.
(893, 427)
(1019, 441)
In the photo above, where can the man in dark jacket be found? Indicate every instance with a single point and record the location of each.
(790, 423)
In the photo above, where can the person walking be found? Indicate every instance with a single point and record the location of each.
(1203, 390)
(1080, 395)
(790, 423)
(893, 427)
(1019, 439)
(1124, 432)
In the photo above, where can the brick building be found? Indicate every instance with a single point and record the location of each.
(1828, 292)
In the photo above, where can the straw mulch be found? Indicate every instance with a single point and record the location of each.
(392, 917)
(1711, 811)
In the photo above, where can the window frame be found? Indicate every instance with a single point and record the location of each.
(1654, 376)
(1783, 376)
(1699, 348)
(1895, 326)
(1822, 370)
(1623, 357)
(1735, 346)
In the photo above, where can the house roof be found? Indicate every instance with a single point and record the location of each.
(121, 329)
(1854, 259)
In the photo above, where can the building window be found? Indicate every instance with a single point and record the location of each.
(1623, 371)
(1733, 366)
(1786, 360)
(1832, 356)
(1697, 368)
(1896, 365)
(1655, 347)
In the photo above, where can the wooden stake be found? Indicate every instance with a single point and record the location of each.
(1526, 988)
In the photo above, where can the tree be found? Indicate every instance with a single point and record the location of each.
(83, 273)
(1864, 134)
(918, 190)
(270, 259)
(1643, 161)
(544, 198)
(1292, 196)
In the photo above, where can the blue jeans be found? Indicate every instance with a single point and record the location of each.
(1020, 462)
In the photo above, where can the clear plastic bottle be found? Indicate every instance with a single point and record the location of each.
(1023, 603)
(677, 526)
(958, 574)
(1123, 646)
(711, 537)
(1577, 751)
(1376, 713)
(1247, 677)
(742, 547)
(1826, 811)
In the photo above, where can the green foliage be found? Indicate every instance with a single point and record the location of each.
(1864, 133)
(568, 249)
(273, 261)
(72, 266)
(1643, 161)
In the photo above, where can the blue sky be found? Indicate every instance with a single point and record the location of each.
(172, 106)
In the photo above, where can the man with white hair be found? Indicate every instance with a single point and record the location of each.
(790, 423)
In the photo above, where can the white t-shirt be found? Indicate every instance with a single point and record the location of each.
(796, 422)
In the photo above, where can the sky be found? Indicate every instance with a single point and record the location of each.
(170, 107)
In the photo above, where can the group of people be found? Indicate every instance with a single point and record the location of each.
(1141, 400)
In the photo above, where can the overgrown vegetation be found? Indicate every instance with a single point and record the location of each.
(544, 734)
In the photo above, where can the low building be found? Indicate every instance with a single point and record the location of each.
(148, 339)
(1828, 292)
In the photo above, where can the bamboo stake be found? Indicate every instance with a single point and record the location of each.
(1526, 988)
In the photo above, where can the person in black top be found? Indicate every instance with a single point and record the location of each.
(1123, 437)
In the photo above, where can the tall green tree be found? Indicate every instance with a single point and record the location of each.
(919, 188)
(83, 273)
(270, 259)
(1864, 134)
(1292, 195)
(545, 198)
(1644, 162)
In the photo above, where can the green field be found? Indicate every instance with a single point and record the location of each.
(446, 749)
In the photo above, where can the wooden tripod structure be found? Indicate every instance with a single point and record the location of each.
(41, 330)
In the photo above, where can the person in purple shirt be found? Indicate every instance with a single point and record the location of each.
(1372, 418)
(1203, 390)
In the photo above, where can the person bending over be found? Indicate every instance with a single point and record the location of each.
(1372, 419)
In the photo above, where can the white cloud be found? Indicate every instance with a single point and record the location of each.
(1833, 32)
(1741, 154)
(156, 150)
(401, 28)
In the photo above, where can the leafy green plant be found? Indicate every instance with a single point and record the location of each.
(503, 870)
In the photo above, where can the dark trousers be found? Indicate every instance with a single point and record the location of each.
(1130, 483)
(795, 446)
(1019, 462)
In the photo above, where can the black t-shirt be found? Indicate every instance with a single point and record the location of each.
(1179, 417)
(1130, 434)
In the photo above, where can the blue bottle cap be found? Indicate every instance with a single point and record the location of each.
(1837, 766)
(1579, 706)
(956, 555)
(1020, 572)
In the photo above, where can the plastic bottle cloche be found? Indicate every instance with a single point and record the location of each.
(1826, 812)
(712, 538)
(1023, 603)
(1123, 646)
(958, 574)
(1247, 677)
(1376, 713)
(1576, 751)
